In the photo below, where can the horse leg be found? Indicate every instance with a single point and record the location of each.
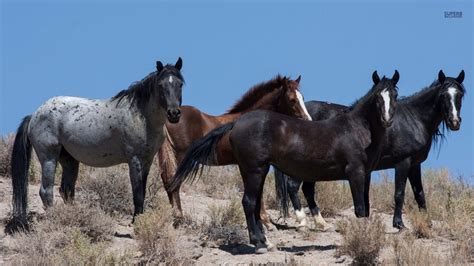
(366, 194)
(401, 171)
(49, 159)
(415, 181)
(266, 218)
(258, 215)
(356, 177)
(293, 187)
(69, 176)
(309, 194)
(138, 176)
(253, 187)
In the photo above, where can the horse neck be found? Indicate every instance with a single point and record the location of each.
(425, 106)
(364, 114)
(153, 115)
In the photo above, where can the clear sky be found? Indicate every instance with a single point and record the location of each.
(94, 49)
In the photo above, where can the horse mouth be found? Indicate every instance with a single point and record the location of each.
(454, 126)
(387, 123)
(173, 119)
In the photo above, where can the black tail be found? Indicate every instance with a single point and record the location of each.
(201, 152)
(281, 187)
(20, 164)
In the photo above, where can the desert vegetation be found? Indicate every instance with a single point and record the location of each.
(97, 229)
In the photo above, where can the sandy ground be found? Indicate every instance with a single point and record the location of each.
(305, 247)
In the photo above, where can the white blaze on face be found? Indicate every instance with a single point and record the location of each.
(386, 100)
(301, 102)
(171, 79)
(452, 94)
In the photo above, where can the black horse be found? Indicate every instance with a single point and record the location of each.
(347, 146)
(416, 126)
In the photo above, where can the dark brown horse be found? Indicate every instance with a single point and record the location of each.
(345, 147)
(280, 94)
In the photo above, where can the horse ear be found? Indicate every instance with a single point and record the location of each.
(375, 77)
(159, 66)
(298, 79)
(441, 77)
(396, 77)
(460, 78)
(179, 64)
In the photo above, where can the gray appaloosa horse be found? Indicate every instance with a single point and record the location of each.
(128, 128)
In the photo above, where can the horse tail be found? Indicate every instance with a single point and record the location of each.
(201, 152)
(20, 164)
(281, 187)
(167, 158)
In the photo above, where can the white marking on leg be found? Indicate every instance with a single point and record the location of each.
(300, 100)
(170, 79)
(301, 218)
(386, 99)
(452, 94)
(320, 222)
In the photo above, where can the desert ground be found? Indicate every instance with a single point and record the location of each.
(97, 229)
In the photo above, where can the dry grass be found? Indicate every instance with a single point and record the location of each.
(157, 239)
(420, 223)
(408, 252)
(225, 225)
(6, 146)
(66, 233)
(363, 238)
(333, 197)
(108, 188)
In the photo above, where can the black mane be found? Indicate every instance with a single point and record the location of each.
(140, 91)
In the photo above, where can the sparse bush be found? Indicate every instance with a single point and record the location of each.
(66, 234)
(363, 238)
(225, 225)
(407, 252)
(156, 236)
(89, 220)
(110, 189)
(333, 197)
(219, 182)
(6, 146)
(421, 223)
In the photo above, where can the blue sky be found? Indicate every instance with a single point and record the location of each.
(94, 49)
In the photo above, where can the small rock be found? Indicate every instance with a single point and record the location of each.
(299, 253)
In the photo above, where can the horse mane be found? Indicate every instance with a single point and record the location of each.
(254, 94)
(139, 92)
(439, 135)
(364, 98)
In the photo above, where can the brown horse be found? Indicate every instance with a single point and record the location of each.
(280, 94)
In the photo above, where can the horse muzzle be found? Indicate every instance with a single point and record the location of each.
(387, 123)
(454, 124)
(173, 115)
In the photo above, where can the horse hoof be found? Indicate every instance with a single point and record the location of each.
(261, 250)
(324, 228)
(270, 227)
(399, 225)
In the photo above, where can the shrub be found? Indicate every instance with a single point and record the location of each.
(89, 220)
(407, 252)
(421, 223)
(333, 197)
(156, 236)
(64, 235)
(363, 238)
(225, 225)
(108, 188)
(6, 146)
